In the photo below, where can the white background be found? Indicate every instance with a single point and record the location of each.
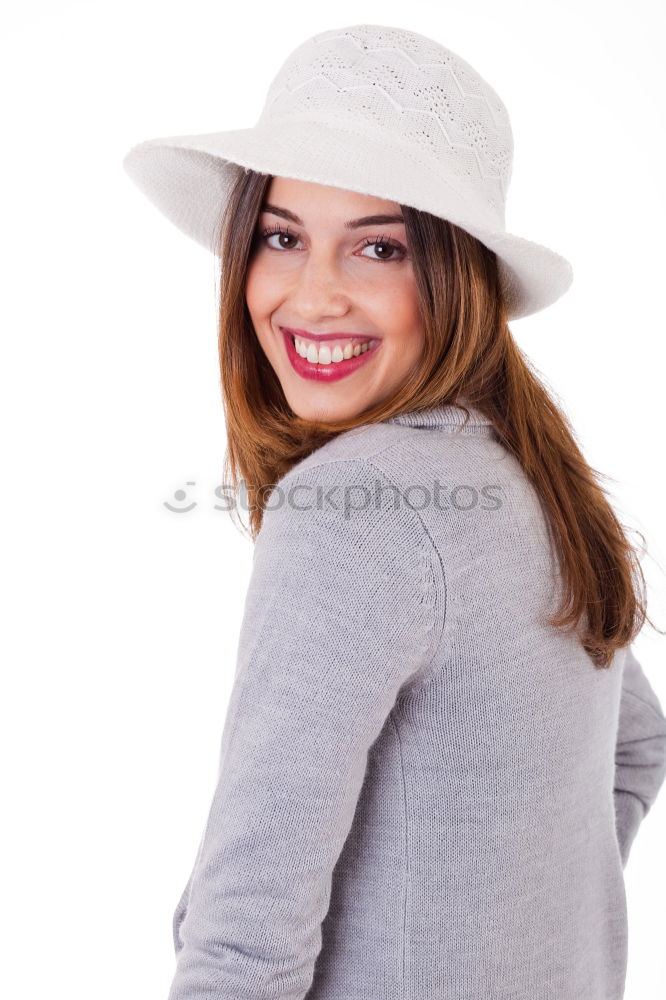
(121, 618)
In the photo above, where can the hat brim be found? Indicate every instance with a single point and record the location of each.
(189, 177)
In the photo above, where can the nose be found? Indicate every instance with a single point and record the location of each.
(319, 288)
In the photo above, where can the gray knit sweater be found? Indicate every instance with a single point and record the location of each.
(424, 791)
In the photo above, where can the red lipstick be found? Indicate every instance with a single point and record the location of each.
(336, 369)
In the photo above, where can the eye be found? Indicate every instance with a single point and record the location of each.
(266, 234)
(386, 244)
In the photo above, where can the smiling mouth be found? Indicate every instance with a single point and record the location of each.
(332, 352)
(329, 362)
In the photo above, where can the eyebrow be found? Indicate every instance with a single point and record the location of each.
(365, 220)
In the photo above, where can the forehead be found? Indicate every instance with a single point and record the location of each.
(311, 201)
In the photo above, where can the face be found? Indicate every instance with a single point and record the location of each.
(332, 297)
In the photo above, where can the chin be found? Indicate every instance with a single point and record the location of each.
(327, 412)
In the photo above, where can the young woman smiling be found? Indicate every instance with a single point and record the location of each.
(439, 744)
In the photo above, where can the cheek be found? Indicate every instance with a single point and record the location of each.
(257, 288)
(402, 310)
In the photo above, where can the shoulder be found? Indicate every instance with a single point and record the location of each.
(343, 537)
(331, 491)
(338, 506)
(346, 462)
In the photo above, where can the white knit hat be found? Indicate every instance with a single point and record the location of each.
(373, 109)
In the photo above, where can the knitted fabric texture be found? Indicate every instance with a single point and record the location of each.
(424, 791)
(441, 111)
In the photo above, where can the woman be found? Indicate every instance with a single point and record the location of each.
(439, 744)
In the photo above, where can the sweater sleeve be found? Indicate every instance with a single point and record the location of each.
(339, 616)
(640, 756)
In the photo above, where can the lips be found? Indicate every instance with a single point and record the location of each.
(332, 372)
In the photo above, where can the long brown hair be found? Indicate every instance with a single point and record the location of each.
(469, 352)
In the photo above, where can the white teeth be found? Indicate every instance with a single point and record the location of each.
(323, 354)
